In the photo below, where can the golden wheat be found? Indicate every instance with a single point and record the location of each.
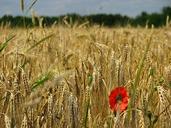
(61, 76)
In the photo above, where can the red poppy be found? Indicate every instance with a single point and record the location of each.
(118, 99)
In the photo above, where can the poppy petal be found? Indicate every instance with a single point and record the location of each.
(122, 104)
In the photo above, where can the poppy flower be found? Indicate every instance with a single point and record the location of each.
(118, 99)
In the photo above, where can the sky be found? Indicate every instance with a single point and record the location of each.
(84, 7)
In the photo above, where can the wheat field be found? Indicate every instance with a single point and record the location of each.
(61, 77)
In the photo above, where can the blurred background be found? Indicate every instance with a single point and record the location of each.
(106, 12)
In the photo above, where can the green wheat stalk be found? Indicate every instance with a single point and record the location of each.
(137, 79)
(5, 44)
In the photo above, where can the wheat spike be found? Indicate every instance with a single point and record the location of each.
(118, 70)
(167, 74)
(50, 109)
(7, 122)
(38, 122)
(24, 123)
(26, 85)
(163, 105)
(12, 110)
(73, 111)
(141, 120)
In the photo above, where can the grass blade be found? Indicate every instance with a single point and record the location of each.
(140, 67)
(32, 4)
(41, 80)
(22, 5)
(39, 42)
(5, 44)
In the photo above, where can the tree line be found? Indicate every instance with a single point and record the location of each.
(155, 19)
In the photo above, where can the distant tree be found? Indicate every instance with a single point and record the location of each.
(166, 11)
(141, 19)
(156, 19)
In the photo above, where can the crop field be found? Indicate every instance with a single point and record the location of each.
(62, 77)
